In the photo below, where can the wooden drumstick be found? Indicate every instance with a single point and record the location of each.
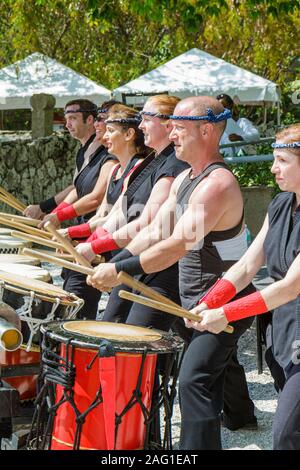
(178, 311)
(63, 256)
(12, 198)
(20, 218)
(59, 262)
(38, 240)
(24, 228)
(129, 281)
(67, 245)
(10, 203)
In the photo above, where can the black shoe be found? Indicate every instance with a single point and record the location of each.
(249, 425)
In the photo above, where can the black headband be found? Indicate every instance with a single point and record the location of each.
(80, 110)
(129, 120)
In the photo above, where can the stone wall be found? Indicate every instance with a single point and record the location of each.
(256, 200)
(33, 170)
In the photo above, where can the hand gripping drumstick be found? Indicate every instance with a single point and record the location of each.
(152, 294)
(67, 245)
(12, 199)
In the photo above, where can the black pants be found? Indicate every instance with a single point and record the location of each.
(286, 424)
(201, 386)
(124, 311)
(75, 283)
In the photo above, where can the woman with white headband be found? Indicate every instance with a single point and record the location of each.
(277, 245)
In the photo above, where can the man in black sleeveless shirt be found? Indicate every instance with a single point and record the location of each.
(207, 234)
(80, 115)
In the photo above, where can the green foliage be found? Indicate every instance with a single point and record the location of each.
(255, 174)
(114, 41)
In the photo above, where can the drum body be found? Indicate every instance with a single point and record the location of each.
(132, 430)
(12, 258)
(10, 244)
(108, 404)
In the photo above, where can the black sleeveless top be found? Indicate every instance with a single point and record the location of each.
(87, 178)
(146, 176)
(115, 186)
(281, 247)
(200, 268)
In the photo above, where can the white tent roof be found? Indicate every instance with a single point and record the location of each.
(41, 74)
(198, 73)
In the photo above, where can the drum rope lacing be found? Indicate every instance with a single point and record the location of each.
(25, 314)
(25, 311)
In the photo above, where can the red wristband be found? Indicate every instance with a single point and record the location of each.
(103, 244)
(60, 206)
(248, 306)
(98, 233)
(80, 231)
(66, 213)
(219, 294)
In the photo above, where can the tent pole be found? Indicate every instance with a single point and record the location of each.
(278, 113)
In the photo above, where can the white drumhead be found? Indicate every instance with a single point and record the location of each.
(7, 241)
(5, 231)
(26, 270)
(14, 258)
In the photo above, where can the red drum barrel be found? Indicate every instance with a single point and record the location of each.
(102, 381)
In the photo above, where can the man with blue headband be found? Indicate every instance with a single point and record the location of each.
(206, 234)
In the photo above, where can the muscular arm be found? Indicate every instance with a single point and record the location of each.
(158, 196)
(201, 217)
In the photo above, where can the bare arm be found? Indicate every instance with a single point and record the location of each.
(158, 196)
(201, 217)
(89, 202)
(159, 229)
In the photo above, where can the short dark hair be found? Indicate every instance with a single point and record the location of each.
(226, 100)
(87, 108)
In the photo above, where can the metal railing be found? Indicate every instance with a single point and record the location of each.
(247, 158)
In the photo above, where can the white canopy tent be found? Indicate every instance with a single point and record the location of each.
(41, 74)
(198, 73)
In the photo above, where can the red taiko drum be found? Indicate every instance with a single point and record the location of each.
(102, 377)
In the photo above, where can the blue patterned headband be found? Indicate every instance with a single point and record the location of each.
(102, 110)
(210, 116)
(149, 113)
(292, 145)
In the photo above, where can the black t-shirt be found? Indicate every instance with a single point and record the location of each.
(163, 165)
(115, 186)
(87, 178)
(80, 154)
